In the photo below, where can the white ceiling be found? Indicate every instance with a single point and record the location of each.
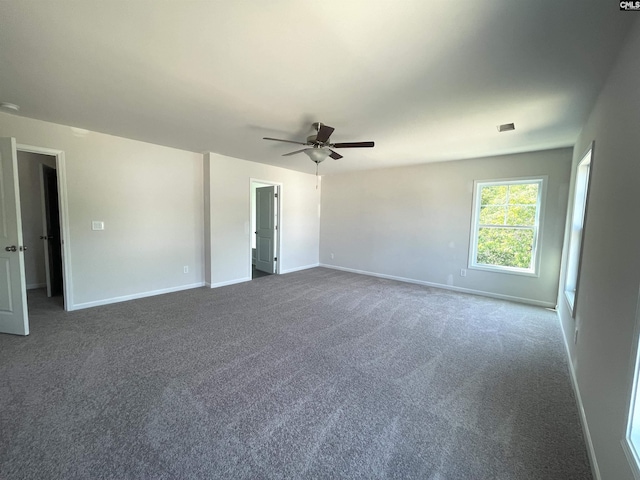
(426, 80)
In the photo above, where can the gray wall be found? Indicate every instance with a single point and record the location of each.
(31, 215)
(150, 199)
(228, 218)
(608, 282)
(414, 222)
(154, 205)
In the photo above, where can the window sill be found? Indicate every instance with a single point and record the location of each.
(507, 270)
(570, 297)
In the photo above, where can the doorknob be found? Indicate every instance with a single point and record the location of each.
(12, 248)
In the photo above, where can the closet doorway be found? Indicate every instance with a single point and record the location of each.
(265, 219)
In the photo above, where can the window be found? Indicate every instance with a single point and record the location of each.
(506, 225)
(631, 441)
(580, 194)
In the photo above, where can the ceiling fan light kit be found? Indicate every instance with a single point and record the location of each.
(320, 147)
(317, 155)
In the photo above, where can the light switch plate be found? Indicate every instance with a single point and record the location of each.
(96, 225)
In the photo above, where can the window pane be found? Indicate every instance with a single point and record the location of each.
(505, 247)
(577, 222)
(494, 195)
(524, 194)
(521, 215)
(490, 215)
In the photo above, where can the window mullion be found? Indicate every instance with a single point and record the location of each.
(515, 227)
(506, 206)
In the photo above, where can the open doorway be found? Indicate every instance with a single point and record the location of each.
(14, 317)
(265, 217)
(41, 228)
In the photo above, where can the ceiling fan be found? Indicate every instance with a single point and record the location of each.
(318, 145)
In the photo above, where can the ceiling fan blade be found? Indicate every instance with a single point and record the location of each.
(335, 155)
(293, 153)
(280, 140)
(324, 132)
(352, 145)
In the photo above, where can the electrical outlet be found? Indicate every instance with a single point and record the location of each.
(186, 269)
(463, 272)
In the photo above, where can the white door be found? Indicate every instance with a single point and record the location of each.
(13, 288)
(265, 229)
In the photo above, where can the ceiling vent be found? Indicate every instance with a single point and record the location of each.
(506, 127)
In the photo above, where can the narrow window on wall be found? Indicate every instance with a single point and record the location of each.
(631, 442)
(506, 225)
(580, 195)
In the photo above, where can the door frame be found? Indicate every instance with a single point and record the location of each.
(278, 212)
(67, 283)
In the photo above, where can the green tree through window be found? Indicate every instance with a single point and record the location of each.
(506, 224)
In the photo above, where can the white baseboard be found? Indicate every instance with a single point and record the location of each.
(33, 286)
(511, 298)
(297, 269)
(595, 470)
(124, 298)
(228, 282)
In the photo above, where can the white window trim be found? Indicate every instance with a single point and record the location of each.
(574, 251)
(631, 440)
(473, 244)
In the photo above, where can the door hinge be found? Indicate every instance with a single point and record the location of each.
(275, 259)
(276, 227)
(275, 195)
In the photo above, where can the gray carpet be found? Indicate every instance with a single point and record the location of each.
(314, 374)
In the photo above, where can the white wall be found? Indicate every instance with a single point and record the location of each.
(31, 214)
(414, 222)
(229, 217)
(150, 199)
(610, 275)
